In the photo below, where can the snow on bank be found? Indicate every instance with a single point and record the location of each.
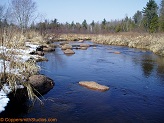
(20, 56)
(5, 66)
(3, 97)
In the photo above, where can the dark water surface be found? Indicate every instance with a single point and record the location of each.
(135, 78)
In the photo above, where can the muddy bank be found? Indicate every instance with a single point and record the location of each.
(152, 42)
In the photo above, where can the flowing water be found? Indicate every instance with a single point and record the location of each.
(135, 78)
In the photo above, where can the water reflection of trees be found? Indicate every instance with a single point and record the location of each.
(146, 62)
(147, 66)
(149, 62)
(160, 68)
(55, 60)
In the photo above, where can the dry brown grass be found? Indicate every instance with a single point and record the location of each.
(34, 37)
(12, 39)
(152, 42)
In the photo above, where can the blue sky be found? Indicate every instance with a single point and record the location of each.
(97, 10)
(78, 10)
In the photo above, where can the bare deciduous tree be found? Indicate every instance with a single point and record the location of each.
(1, 12)
(23, 12)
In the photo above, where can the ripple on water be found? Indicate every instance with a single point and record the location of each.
(135, 79)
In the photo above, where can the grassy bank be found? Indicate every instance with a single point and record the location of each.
(152, 42)
(17, 63)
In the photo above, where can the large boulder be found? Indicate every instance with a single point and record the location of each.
(93, 85)
(41, 83)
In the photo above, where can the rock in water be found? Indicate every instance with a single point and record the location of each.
(117, 52)
(93, 85)
(41, 83)
(69, 51)
(66, 46)
(48, 49)
(83, 48)
(84, 45)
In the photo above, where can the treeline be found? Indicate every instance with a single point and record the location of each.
(149, 19)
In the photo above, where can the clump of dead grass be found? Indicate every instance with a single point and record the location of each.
(12, 38)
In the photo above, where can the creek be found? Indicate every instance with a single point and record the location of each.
(135, 78)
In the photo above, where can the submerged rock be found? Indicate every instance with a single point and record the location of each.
(84, 45)
(117, 52)
(81, 41)
(94, 85)
(84, 48)
(69, 51)
(41, 83)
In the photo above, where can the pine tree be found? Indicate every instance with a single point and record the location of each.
(137, 18)
(150, 16)
(161, 16)
(84, 24)
(92, 26)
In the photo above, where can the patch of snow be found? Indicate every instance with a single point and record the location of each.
(3, 97)
(7, 68)
(19, 55)
(22, 58)
(6, 89)
(33, 46)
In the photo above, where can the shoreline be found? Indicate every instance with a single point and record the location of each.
(151, 42)
(18, 64)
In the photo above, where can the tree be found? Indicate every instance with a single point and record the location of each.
(150, 16)
(92, 25)
(104, 22)
(137, 18)
(72, 26)
(84, 24)
(1, 12)
(161, 16)
(126, 23)
(23, 12)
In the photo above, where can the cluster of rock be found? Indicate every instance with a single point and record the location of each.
(152, 42)
(44, 48)
(40, 83)
(68, 49)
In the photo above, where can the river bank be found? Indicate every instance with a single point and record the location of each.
(18, 69)
(152, 42)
